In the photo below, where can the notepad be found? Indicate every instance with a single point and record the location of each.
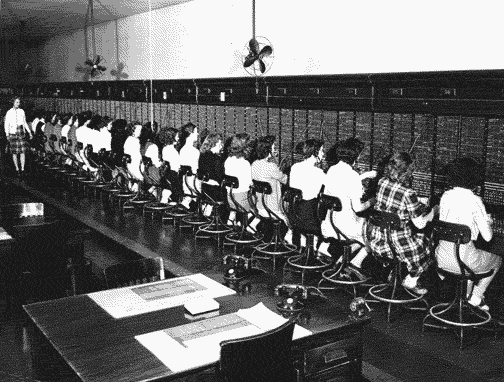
(198, 343)
(139, 299)
(201, 305)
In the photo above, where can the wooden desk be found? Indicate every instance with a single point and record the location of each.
(99, 348)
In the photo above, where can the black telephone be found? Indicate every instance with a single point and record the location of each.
(297, 290)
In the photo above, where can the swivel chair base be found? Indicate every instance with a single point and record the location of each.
(394, 292)
(272, 250)
(457, 315)
(341, 277)
(154, 207)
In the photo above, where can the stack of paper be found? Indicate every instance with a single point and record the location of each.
(139, 299)
(198, 343)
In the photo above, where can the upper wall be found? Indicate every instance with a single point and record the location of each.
(207, 38)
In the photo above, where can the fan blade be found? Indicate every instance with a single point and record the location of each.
(120, 66)
(262, 66)
(89, 62)
(97, 60)
(254, 46)
(266, 51)
(101, 68)
(114, 72)
(249, 60)
(86, 76)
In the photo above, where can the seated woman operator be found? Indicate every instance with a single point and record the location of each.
(210, 162)
(308, 177)
(395, 195)
(346, 183)
(460, 205)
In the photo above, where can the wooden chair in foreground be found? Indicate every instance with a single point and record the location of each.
(134, 272)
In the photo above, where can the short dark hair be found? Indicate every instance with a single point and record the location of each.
(311, 147)
(464, 172)
(238, 146)
(210, 142)
(95, 122)
(400, 168)
(264, 146)
(168, 136)
(348, 151)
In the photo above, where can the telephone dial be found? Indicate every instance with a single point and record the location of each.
(291, 294)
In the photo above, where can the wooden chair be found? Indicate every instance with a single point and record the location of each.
(134, 272)
(392, 292)
(457, 314)
(263, 357)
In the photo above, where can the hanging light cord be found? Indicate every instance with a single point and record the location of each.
(150, 66)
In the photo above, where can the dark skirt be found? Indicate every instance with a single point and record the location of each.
(17, 142)
(304, 217)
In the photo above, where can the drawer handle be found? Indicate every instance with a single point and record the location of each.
(334, 355)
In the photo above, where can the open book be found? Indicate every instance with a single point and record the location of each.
(198, 343)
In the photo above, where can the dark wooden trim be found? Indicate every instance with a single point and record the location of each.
(476, 92)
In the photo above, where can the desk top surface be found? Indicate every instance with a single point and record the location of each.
(101, 348)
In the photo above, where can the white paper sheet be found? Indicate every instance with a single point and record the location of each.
(179, 351)
(4, 235)
(144, 298)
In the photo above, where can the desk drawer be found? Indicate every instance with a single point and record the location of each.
(331, 355)
(339, 374)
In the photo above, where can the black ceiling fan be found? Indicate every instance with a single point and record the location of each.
(92, 68)
(258, 52)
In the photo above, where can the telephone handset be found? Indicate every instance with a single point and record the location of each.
(292, 290)
(302, 291)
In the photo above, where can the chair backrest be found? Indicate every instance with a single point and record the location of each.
(134, 272)
(291, 197)
(331, 204)
(264, 188)
(385, 220)
(457, 234)
(263, 357)
(232, 182)
(185, 170)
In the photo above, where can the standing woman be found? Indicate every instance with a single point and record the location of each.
(15, 127)
(396, 196)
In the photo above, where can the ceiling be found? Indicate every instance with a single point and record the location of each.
(36, 20)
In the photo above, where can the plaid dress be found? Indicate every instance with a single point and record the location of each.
(410, 245)
(17, 142)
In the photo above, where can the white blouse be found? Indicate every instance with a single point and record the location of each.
(306, 177)
(241, 169)
(172, 156)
